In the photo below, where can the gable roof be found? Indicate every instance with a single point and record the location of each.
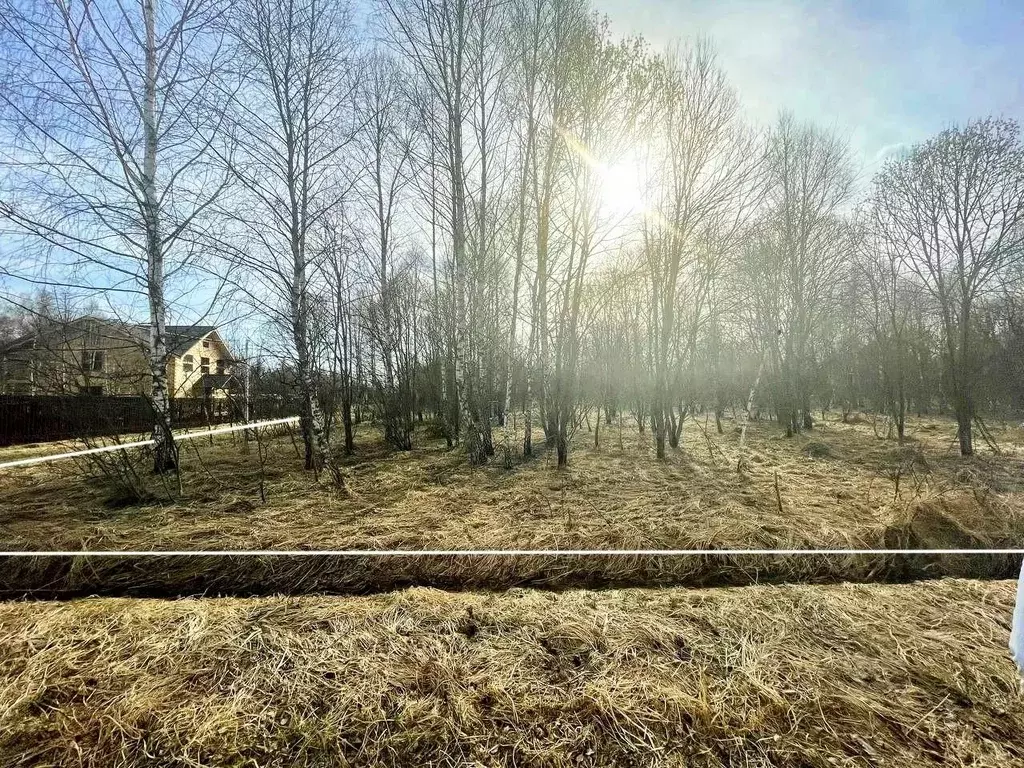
(179, 337)
(51, 327)
(18, 342)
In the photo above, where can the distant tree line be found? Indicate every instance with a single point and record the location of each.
(478, 212)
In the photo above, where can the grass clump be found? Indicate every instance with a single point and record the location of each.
(817, 450)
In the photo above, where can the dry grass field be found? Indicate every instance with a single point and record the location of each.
(789, 675)
(840, 485)
(811, 676)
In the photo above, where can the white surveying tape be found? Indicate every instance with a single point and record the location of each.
(499, 552)
(144, 443)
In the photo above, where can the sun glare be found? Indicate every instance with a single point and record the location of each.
(621, 191)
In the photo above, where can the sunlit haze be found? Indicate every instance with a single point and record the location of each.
(886, 74)
(511, 383)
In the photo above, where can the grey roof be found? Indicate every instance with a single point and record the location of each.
(26, 340)
(179, 337)
(18, 342)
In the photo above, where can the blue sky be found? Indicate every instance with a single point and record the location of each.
(883, 73)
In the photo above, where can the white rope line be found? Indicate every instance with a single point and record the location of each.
(144, 443)
(499, 552)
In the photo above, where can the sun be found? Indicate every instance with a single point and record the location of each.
(621, 191)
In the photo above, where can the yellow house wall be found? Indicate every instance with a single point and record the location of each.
(184, 382)
(56, 367)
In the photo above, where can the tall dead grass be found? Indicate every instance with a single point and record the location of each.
(816, 677)
(859, 491)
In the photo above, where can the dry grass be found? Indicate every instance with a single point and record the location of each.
(796, 676)
(815, 677)
(861, 491)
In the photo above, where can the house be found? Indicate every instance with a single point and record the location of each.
(199, 362)
(97, 356)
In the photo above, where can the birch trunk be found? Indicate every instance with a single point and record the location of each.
(165, 453)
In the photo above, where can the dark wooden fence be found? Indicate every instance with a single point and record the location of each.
(41, 418)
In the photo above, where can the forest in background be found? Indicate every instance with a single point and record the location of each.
(471, 210)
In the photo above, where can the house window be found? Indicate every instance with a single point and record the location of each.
(220, 367)
(17, 369)
(186, 364)
(90, 390)
(204, 365)
(92, 360)
(206, 343)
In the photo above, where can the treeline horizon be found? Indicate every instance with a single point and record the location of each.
(482, 208)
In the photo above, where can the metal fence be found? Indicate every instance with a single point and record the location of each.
(42, 418)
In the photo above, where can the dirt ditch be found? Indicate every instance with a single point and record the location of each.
(243, 575)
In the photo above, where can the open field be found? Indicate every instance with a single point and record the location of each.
(810, 676)
(792, 675)
(837, 486)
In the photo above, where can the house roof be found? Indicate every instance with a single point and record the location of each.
(179, 337)
(17, 343)
(26, 339)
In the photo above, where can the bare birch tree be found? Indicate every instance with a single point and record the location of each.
(704, 167)
(109, 147)
(387, 143)
(434, 37)
(551, 29)
(794, 254)
(885, 311)
(292, 108)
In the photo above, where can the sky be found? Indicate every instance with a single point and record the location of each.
(884, 73)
